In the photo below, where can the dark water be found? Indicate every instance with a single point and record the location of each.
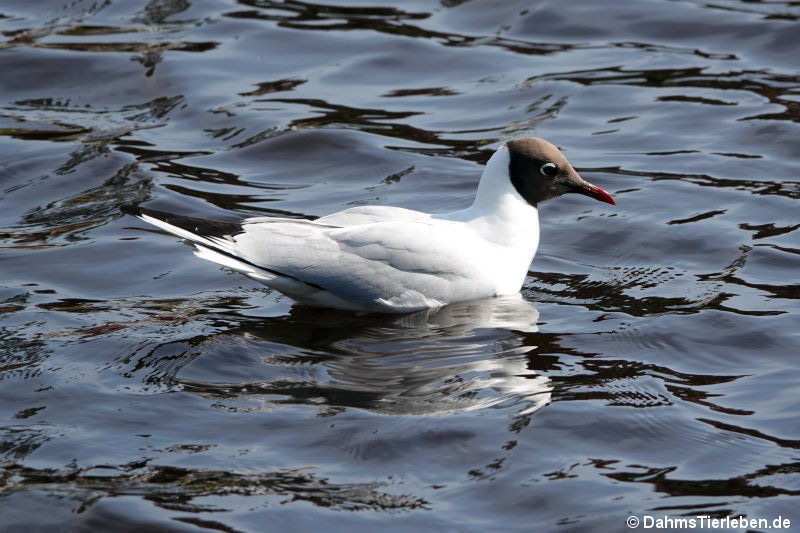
(651, 369)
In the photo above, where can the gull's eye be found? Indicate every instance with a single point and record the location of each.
(549, 170)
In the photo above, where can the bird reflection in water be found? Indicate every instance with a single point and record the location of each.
(465, 356)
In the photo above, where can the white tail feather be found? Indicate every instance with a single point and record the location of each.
(215, 257)
(224, 251)
(182, 233)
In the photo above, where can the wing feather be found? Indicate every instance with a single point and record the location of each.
(411, 262)
(368, 262)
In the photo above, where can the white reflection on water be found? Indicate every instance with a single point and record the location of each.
(463, 357)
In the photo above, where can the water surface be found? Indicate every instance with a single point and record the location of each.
(649, 367)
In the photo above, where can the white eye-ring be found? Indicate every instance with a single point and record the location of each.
(549, 170)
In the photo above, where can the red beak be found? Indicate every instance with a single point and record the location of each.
(595, 192)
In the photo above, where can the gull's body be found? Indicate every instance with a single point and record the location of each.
(390, 259)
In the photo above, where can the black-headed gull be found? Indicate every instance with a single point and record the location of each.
(396, 260)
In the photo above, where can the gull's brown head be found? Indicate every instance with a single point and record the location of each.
(539, 172)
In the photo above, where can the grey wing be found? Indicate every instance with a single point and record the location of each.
(370, 214)
(391, 264)
(388, 265)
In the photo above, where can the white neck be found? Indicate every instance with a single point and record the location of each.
(498, 212)
(495, 186)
